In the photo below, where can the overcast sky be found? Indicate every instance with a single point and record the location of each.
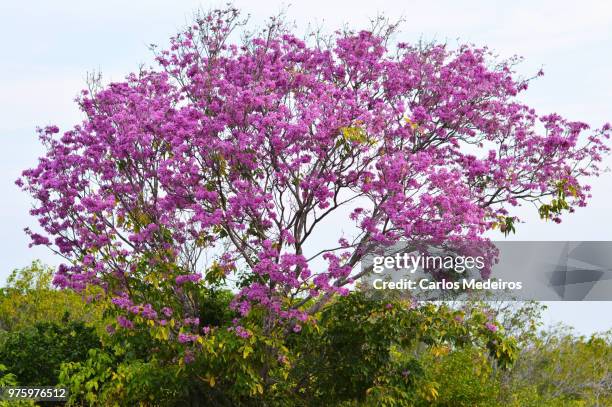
(48, 47)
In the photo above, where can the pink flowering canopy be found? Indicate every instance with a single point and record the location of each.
(238, 152)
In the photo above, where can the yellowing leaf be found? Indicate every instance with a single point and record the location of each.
(247, 351)
(354, 134)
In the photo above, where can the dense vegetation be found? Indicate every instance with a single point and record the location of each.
(362, 352)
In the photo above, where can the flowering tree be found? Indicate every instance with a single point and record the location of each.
(224, 161)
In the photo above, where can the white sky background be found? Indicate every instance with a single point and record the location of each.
(46, 49)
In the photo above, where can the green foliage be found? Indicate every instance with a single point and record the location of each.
(40, 328)
(34, 355)
(6, 378)
(372, 350)
(139, 367)
(561, 369)
(106, 378)
(552, 368)
(214, 307)
(505, 224)
(9, 379)
(559, 203)
(462, 378)
(363, 351)
(29, 297)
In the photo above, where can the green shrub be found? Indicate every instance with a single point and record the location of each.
(35, 354)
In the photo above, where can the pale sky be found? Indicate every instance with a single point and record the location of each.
(48, 47)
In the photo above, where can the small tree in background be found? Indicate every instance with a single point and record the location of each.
(29, 297)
